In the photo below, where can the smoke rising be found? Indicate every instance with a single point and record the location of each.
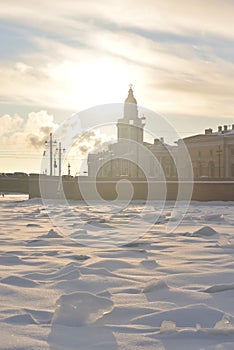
(89, 140)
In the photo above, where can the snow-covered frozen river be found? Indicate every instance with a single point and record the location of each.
(161, 291)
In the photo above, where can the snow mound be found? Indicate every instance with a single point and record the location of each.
(224, 323)
(149, 264)
(205, 231)
(68, 272)
(221, 327)
(105, 294)
(78, 257)
(98, 271)
(20, 319)
(123, 315)
(97, 225)
(112, 264)
(40, 316)
(213, 217)
(219, 288)
(78, 234)
(51, 234)
(78, 309)
(33, 225)
(19, 282)
(68, 276)
(228, 346)
(130, 291)
(10, 260)
(132, 244)
(155, 285)
(188, 316)
(83, 338)
(167, 327)
(67, 268)
(37, 242)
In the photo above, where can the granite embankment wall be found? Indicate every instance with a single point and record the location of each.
(110, 189)
(14, 184)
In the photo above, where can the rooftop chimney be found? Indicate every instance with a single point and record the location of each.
(208, 131)
(232, 126)
(225, 128)
(219, 128)
(156, 141)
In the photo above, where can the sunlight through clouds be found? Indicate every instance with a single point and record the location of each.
(71, 55)
(93, 81)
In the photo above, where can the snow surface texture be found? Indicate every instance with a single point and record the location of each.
(162, 292)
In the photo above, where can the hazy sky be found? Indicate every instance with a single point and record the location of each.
(60, 57)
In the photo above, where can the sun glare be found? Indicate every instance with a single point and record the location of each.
(98, 82)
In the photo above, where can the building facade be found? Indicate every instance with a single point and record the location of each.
(130, 156)
(210, 155)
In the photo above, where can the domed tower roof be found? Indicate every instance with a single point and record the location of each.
(130, 98)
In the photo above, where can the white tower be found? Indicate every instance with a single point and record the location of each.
(130, 127)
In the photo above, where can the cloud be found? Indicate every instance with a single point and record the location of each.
(64, 77)
(10, 124)
(86, 53)
(212, 17)
(22, 140)
(26, 134)
(76, 54)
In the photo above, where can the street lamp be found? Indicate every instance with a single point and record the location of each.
(60, 157)
(51, 144)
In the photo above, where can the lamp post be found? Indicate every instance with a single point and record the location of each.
(51, 144)
(60, 157)
(55, 163)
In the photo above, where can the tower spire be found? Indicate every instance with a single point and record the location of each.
(130, 98)
(130, 126)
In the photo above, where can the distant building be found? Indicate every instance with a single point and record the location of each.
(212, 153)
(125, 157)
(131, 127)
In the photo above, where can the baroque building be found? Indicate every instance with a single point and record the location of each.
(131, 127)
(210, 155)
(131, 156)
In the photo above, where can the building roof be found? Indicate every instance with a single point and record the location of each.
(224, 132)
